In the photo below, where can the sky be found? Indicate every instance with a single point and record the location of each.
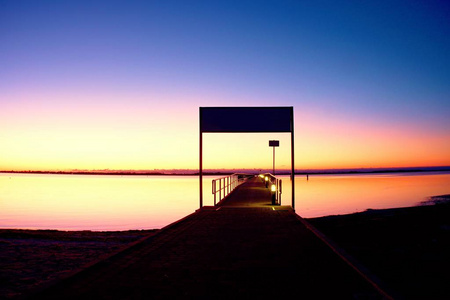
(117, 85)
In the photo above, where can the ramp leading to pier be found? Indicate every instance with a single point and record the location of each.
(242, 248)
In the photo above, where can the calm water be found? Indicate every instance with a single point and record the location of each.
(90, 202)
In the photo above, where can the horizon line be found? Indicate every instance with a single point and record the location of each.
(230, 171)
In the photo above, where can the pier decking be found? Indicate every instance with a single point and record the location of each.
(242, 248)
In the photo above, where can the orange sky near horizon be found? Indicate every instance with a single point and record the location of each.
(104, 132)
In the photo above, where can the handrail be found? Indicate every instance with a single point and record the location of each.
(275, 186)
(226, 185)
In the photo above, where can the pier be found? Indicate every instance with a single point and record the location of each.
(243, 247)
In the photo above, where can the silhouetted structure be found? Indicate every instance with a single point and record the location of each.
(246, 120)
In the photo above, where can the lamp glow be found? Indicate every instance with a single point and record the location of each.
(273, 188)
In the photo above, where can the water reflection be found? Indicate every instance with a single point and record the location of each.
(88, 202)
(70, 202)
(342, 194)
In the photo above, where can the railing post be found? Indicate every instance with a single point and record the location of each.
(226, 185)
(276, 190)
(281, 188)
(214, 191)
(225, 182)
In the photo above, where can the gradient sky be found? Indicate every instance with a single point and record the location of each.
(117, 84)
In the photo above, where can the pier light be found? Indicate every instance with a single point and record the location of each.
(273, 188)
(266, 178)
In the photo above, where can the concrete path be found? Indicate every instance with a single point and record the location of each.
(243, 248)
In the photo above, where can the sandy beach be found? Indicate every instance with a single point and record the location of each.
(33, 258)
(407, 248)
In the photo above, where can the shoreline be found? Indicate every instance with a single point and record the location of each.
(397, 244)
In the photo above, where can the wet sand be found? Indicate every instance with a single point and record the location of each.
(407, 248)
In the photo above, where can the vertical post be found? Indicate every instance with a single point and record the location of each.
(292, 159)
(214, 190)
(228, 185)
(273, 171)
(276, 191)
(280, 189)
(200, 171)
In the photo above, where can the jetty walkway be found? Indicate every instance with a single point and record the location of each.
(242, 248)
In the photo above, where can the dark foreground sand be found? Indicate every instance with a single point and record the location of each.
(32, 258)
(407, 248)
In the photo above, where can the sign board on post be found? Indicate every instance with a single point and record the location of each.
(274, 143)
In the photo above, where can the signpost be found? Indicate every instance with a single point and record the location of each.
(273, 144)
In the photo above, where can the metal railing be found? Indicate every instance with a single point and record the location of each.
(275, 186)
(225, 185)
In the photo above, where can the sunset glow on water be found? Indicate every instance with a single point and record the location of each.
(323, 195)
(91, 202)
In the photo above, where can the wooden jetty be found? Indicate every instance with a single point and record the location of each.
(244, 247)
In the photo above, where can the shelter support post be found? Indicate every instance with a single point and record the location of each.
(292, 160)
(200, 168)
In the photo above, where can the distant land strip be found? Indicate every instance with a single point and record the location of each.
(188, 172)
